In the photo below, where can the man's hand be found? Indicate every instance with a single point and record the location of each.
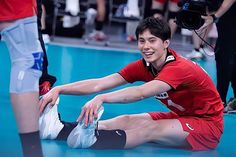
(89, 111)
(49, 98)
(208, 21)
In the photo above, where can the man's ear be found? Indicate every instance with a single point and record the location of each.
(166, 43)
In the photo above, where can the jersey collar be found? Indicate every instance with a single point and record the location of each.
(169, 58)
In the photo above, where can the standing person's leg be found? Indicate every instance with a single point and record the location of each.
(26, 54)
(222, 72)
(196, 52)
(172, 12)
(46, 81)
(199, 51)
(101, 8)
(231, 105)
(158, 11)
(157, 8)
(98, 33)
(233, 81)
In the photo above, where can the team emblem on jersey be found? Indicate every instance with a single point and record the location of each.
(189, 126)
(163, 95)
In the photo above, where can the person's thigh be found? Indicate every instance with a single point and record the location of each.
(125, 122)
(169, 132)
(184, 132)
(5, 24)
(164, 132)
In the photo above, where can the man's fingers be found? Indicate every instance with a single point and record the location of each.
(86, 118)
(91, 113)
(54, 100)
(42, 103)
(96, 112)
(81, 115)
(204, 17)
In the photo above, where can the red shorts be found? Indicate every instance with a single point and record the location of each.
(165, 1)
(203, 134)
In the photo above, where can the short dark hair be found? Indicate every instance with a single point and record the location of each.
(157, 27)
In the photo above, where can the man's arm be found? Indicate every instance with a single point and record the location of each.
(210, 19)
(82, 88)
(126, 95)
(92, 85)
(224, 7)
(136, 93)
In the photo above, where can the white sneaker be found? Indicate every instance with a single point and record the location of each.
(90, 16)
(82, 137)
(97, 36)
(131, 9)
(46, 38)
(207, 51)
(194, 55)
(231, 106)
(49, 123)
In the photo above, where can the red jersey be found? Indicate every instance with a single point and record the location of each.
(16, 9)
(193, 92)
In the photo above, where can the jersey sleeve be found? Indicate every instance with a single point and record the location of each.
(135, 71)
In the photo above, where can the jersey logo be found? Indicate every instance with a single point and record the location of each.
(163, 95)
(189, 126)
(170, 58)
(117, 132)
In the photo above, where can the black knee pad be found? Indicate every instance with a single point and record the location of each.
(110, 139)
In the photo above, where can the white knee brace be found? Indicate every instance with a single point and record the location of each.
(26, 55)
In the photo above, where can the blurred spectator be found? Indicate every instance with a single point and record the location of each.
(225, 49)
(100, 14)
(71, 30)
(200, 50)
(131, 10)
(158, 10)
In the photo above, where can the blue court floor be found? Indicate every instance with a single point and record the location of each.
(70, 64)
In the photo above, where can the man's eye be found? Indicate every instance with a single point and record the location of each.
(152, 41)
(141, 41)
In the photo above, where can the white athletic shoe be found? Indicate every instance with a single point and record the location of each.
(90, 16)
(49, 123)
(231, 106)
(131, 9)
(81, 137)
(195, 55)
